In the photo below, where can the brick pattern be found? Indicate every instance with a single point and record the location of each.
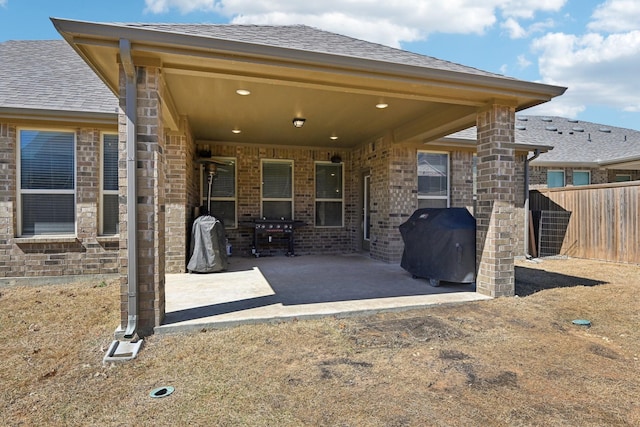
(85, 254)
(7, 197)
(308, 239)
(495, 213)
(181, 195)
(461, 189)
(393, 193)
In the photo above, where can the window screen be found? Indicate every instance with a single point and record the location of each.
(555, 179)
(581, 178)
(433, 179)
(223, 191)
(47, 182)
(329, 198)
(277, 189)
(110, 219)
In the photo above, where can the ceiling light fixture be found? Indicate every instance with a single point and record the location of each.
(236, 131)
(298, 122)
(243, 92)
(382, 105)
(333, 137)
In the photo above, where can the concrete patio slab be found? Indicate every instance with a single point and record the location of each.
(283, 288)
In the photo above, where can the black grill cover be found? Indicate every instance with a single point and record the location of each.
(440, 244)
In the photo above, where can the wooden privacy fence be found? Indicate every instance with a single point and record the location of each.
(604, 219)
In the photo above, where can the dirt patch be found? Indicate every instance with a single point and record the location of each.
(504, 362)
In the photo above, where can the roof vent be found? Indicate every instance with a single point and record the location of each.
(605, 130)
(546, 119)
(521, 127)
(523, 119)
(577, 129)
(572, 120)
(551, 128)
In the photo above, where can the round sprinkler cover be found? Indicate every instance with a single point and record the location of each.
(161, 391)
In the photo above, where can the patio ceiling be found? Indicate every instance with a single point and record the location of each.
(337, 95)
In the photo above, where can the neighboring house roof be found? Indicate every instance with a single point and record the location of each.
(574, 142)
(309, 39)
(48, 75)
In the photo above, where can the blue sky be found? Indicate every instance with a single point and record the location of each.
(590, 46)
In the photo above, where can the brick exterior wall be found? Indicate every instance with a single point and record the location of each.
(461, 189)
(87, 253)
(308, 239)
(181, 196)
(393, 192)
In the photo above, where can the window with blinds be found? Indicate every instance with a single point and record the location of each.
(329, 195)
(223, 191)
(47, 182)
(110, 219)
(433, 180)
(277, 189)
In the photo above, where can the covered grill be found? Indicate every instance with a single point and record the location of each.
(208, 246)
(440, 244)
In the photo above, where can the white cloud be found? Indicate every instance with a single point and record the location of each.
(514, 29)
(389, 23)
(568, 105)
(523, 62)
(3, 3)
(615, 16)
(526, 9)
(184, 6)
(598, 70)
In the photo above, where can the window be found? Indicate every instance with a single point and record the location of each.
(623, 177)
(329, 195)
(277, 189)
(433, 180)
(110, 222)
(46, 182)
(581, 177)
(223, 191)
(555, 179)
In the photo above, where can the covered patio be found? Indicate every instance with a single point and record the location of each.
(235, 90)
(273, 289)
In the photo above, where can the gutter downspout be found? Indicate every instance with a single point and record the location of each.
(132, 196)
(536, 153)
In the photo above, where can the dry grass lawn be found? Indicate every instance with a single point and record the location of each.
(506, 362)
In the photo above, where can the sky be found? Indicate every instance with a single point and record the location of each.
(590, 46)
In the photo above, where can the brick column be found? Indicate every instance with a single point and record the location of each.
(7, 196)
(88, 183)
(150, 202)
(178, 212)
(495, 211)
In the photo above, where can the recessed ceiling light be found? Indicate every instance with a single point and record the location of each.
(333, 137)
(236, 131)
(382, 105)
(243, 92)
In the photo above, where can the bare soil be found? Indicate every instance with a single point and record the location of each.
(517, 361)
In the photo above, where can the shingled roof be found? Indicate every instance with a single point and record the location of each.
(573, 141)
(49, 75)
(310, 39)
